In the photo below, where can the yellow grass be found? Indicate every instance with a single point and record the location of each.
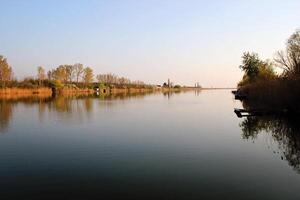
(68, 91)
(15, 93)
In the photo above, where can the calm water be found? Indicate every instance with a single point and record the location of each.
(180, 146)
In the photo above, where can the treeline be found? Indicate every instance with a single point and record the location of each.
(262, 84)
(114, 79)
(64, 75)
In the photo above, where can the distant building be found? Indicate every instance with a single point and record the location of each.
(197, 85)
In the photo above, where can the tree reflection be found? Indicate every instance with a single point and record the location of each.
(66, 106)
(285, 131)
(7, 104)
(6, 110)
(170, 93)
(88, 104)
(61, 104)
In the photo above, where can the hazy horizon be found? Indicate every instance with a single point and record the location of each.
(186, 41)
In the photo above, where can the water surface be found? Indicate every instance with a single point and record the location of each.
(155, 146)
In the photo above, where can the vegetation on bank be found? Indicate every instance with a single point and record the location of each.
(263, 87)
(72, 77)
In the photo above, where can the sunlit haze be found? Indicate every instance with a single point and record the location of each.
(187, 41)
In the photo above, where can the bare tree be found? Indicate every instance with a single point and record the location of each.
(70, 72)
(100, 78)
(50, 75)
(114, 79)
(41, 75)
(289, 60)
(78, 70)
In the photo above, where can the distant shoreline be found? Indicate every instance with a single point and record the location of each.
(48, 91)
(233, 88)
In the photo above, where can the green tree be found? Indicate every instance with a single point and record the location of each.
(88, 75)
(5, 71)
(251, 64)
(256, 69)
(266, 71)
(60, 74)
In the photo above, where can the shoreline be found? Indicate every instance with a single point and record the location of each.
(272, 97)
(15, 92)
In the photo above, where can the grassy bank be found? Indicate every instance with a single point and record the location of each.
(70, 91)
(47, 91)
(130, 90)
(25, 91)
(32, 88)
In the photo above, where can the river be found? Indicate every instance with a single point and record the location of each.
(187, 145)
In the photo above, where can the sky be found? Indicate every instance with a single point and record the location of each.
(187, 41)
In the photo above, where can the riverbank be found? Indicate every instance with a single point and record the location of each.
(273, 94)
(15, 93)
(262, 87)
(67, 91)
(41, 91)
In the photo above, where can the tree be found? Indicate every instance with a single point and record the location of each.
(70, 72)
(100, 78)
(5, 71)
(78, 70)
(41, 75)
(60, 74)
(88, 75)
(49, 75)
(251, 65)
(256, 69)
(289, 60)
(266, 71)
(112, 79)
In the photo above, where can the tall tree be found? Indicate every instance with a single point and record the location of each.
(251, 64)
(88, 75)
(70, 71)
(41, 75)
(50, 75)
(289, 60)
(60, 74)
(5, 71)
(78, 70)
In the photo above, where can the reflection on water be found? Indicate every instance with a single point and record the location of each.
(63, 104)
(184, 145)
(6, 110)
(285, 131)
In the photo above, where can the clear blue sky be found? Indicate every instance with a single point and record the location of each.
(151, 40)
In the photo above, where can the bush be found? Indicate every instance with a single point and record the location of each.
(55, 84)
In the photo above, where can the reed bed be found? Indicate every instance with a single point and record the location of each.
(23, 92)
(69, 91)
(275, 94)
